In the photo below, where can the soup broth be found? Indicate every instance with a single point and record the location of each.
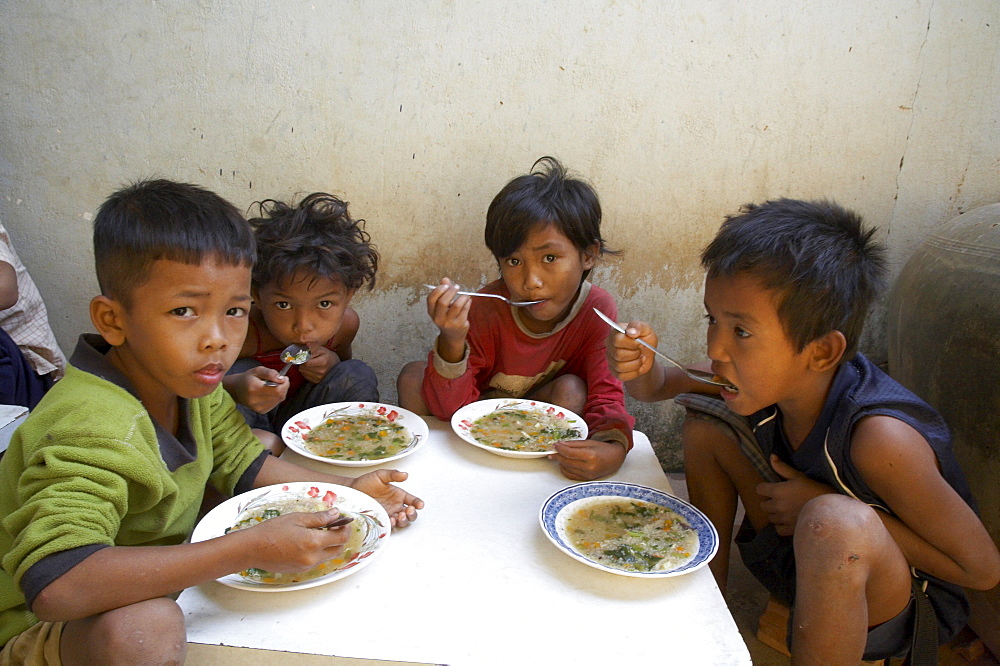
(279, 506)
(521, 430)
(357, 437)
(631, 535)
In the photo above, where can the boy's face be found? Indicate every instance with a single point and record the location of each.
(183, 329)
(305, 309)
(547, 267)
(749, 347)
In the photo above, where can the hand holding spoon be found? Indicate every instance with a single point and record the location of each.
(293, 354)
(699, 375)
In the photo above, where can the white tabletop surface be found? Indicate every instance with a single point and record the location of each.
(476, 581)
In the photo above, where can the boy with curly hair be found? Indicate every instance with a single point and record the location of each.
(311, 259)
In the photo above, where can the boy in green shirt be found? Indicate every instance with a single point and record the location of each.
(101, 486)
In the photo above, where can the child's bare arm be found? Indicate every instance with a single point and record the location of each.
(936, 530)
(121, 575)
(8, 286)
(450, 314)
(644, 378)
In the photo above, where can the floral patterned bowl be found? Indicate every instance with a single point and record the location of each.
(296, 430)
(371, 523)
(462, 422)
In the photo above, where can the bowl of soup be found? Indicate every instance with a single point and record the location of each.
(369, 531)
(355, 434)
(517, 428)
(628, 529)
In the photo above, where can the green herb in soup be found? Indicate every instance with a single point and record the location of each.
(273, 507)
(521, 430)
(631, 535)
(357, 437)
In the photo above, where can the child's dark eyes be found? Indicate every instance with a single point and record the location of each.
(741, 332)
(236, 312)
(326, 305)
(283, 305)
(511, 261)
(549, 258)
(182, 312)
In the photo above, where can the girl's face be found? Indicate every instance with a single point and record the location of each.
(547, 267)
(305, 309)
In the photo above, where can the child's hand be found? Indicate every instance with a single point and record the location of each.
(321, 360)
(293, 542)
(450, 313)
(784, 500)
(588, 459)
(400, 505)
(626, 357)
(248, 388)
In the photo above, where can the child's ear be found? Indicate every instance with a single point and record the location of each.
(826, 351)
(106, 315)
(589, 256)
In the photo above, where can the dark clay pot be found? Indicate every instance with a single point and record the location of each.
(944, 345)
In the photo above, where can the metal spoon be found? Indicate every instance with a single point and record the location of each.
(516, 304)
(339, 522)
(292, 355)
(700, 375)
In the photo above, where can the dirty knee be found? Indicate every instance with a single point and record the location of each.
(835, 526)
(146, 632)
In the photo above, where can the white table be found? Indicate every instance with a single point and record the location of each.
(475, 581)
(11, 416)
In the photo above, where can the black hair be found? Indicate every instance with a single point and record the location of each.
(161, 219)
(821, 260)
(317, 235)
(547, 195)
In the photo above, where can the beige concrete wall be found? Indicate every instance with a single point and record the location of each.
(418, 112)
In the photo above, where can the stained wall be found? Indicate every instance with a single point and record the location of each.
(417, 113)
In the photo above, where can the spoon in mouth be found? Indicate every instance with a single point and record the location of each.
(700, 375)
(293, 354)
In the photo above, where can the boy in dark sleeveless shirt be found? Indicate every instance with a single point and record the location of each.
(857, 513)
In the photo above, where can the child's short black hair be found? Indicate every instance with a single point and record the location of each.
(318, 236)
(826, 267)
(161, 219)
(547, 195)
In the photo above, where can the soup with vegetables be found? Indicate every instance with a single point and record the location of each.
(272, 507)
(357, 437)
(631, 535)
(522, 430)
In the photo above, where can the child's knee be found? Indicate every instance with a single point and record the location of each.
(568, 391)
(150, 631)
(408, 384)
(349, 381)
(831, 525)
(702, 434)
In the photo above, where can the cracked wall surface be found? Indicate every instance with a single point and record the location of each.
(677, 113)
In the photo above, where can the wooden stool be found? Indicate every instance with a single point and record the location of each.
(772, 627)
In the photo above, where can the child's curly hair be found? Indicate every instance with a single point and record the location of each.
(318, 236)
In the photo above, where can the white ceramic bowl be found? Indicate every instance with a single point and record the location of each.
(369, 517)
(463, 419)
(562, 504)
(302, 423)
